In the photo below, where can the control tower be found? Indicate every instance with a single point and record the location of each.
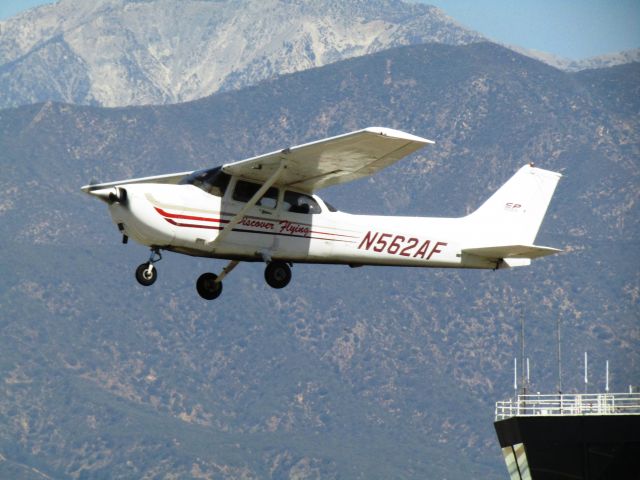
(570, 437)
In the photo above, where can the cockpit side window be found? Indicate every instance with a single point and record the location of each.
(300, 203)
(245, 190)
(212, 180)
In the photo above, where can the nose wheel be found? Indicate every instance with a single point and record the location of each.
(146, 273)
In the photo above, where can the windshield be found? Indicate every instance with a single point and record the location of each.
(330, 207)
(211, 180)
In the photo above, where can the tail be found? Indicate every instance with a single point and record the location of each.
(506, 225)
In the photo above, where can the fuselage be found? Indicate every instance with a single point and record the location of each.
(285, 225)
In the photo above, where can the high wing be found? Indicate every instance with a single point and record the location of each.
(314, 165)
(330, 161)
(171, 178)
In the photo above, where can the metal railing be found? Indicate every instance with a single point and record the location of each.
(569, 404)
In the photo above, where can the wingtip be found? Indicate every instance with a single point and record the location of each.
(390, 132)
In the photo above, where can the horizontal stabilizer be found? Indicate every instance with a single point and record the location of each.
(511, 251)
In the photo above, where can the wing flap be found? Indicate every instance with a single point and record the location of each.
(511, 251)
(331, 161)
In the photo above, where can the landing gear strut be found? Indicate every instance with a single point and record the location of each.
(277, 274)
(209, 285)
(146, 273)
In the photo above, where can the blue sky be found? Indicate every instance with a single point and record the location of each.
(569, 28)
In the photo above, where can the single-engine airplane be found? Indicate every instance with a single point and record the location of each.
(264, 209)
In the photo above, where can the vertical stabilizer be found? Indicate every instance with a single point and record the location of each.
(513, 215)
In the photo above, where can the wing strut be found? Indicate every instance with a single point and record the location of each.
(257, 196)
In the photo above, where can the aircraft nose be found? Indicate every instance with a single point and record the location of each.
(111, 195)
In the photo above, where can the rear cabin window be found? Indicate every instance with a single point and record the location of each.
(212, 180)
(245, 190)
(300, 203)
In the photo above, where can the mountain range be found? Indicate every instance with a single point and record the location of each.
(132, 52)
(346, 373)
(140, 52)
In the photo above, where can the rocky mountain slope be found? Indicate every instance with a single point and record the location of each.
(121, 52)
(346, 373)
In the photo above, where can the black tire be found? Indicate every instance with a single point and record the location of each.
(207, 286)
(277, 274)
(145, 277)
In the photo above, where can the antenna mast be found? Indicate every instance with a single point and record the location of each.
(515, 377)
(559, 357)
(586, 372)
(524, 384)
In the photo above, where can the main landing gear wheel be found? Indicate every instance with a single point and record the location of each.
(277, 274)
(207, 286)
(146, 274)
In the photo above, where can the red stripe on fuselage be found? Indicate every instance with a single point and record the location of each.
(332, 234)
(190, 225)
(170, 216)
(189, 217)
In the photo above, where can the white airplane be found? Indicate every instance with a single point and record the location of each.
(264, 209)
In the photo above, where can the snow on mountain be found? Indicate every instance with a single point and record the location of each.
(135, 52)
